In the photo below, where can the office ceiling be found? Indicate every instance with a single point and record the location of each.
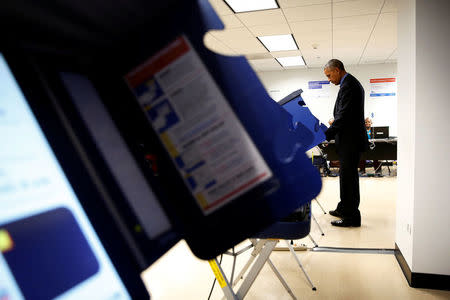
(354, 31)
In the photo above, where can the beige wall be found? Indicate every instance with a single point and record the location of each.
(281, 83)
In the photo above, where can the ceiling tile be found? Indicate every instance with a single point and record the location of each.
(385, 31)
(304, 13)
(348, 58)
(286, 53)
(383, 40)
(355, 23)
(259, 56)
(317, 58)
(220, 7)
(216, 46)
(350, 37)
(319, 63)
(231, 21)
(349, 52)
(249, 46)
(266, 17)
(373, 60)
(269, 64)
(309, 34)
(393, 55)
(314, 42)
(232, 34)
(253, 65)
(274, 29)
(353, 47)
(295, 3)
(379, 59)
(390, 6)
(308, 27)
(314, 46)
(240, 40)
(357, 8)
(310, 22)
(295, 67)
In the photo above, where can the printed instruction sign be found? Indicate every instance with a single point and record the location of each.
(205, 139)
(319, 89)
(380, 87)
(315, 85)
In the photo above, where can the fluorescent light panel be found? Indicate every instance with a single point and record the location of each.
(284, 42)
(291, 61)
(239, 6)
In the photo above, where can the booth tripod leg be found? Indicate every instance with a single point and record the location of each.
(283, 282)
(269, 245)
(222, 280)
(317, 201)
(233, 268)
(320, 228)
(257, 248)
(312, 240)
(300, 265)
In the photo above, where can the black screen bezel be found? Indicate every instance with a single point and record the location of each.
(50, 69)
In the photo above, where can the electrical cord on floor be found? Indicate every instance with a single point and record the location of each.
(214, 282)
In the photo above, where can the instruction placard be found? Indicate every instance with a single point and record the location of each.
(207, 142)
(380, 87)
(318, 89)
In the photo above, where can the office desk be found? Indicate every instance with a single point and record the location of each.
(383, 149)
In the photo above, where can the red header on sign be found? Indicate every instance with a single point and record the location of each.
(382, 80)
(157, 62)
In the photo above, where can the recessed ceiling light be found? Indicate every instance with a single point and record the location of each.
(291, 61)
(284, 42)
(239, 6)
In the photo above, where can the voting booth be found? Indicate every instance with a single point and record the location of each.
(123, 139)
(296, 106)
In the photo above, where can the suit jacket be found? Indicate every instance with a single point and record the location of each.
(348, 129)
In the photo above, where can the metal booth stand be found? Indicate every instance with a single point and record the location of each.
(296, 226)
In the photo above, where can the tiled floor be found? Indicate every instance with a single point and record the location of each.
(377, 215)
(179, 275)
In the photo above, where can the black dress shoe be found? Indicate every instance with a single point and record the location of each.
(346, 223)
(335, 213)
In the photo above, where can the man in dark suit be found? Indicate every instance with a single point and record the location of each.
(350, 136)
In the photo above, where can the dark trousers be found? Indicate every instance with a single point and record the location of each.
(349, 184)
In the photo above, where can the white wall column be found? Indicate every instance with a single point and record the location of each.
(423, 205)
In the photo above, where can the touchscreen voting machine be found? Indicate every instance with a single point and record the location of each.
(49, 245)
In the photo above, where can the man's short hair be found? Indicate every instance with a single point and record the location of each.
(333, 64)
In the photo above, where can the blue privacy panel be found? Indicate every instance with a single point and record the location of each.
(280, 141)
(302, 116)
(270, 126)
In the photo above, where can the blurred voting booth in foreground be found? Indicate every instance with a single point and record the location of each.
(120, 139)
